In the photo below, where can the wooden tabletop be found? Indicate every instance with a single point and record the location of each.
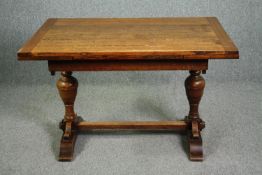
(129, 39)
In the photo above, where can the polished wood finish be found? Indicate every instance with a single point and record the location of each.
(129, 39)
(138, 125)
(127, 65)
(67, 87)
(128, 44)
(194, 86)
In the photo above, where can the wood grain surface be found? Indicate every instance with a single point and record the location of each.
(129, 39)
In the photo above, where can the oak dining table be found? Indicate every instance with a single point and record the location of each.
(130, 44)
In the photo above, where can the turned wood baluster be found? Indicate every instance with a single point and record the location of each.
(67, 86)
(195, 85)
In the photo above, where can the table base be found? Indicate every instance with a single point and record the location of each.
(73, 124)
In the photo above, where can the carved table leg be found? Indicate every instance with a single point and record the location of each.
(194, 85)
(67, 86)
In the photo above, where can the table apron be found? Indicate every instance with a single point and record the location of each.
(126, 65)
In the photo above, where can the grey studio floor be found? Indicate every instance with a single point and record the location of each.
(30, 114)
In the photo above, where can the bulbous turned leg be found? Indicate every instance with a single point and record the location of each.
(194, 86)
(67, 87)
